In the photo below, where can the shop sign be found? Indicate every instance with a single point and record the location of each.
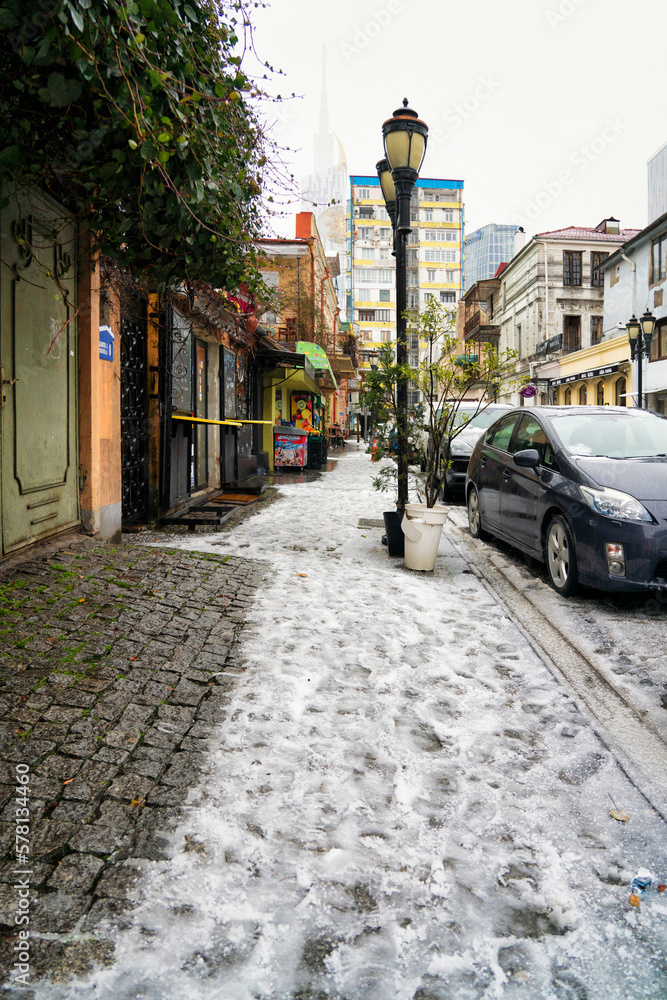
(591, 373)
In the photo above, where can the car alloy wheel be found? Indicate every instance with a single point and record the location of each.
(561, 557)
(474, 516)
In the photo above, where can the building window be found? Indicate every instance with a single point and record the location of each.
(365, 212)
(366, 233)
(658, 258)
(385, 234)
(571, 267)
(363, 295)
(367, 315)
(430, 275)
(447, 297)
(600, 394)
(363, 194)
(451, 276)
(596, 330)
(597, 277)
(583, 395)
(619, 392)
(414, 217)
(385, 335)
(413, 300)
(428, 296)
(383, 315)
(413, 397)
(449, 215)
(659, 342)
(452, 235)
(386, 275)
(571, 333)
(385, 295)
(567, 397)
(428, 215)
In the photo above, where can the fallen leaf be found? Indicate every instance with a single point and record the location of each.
(133, 657)
(138, 802)
(364, 536)
(68, 781)
(82, 600)
(634, 900)
(660, 887)
(302, 574)
(619, 815)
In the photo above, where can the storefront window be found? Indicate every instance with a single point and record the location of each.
(583, 395)
(600, 394)
(659, 342)
(567, 397)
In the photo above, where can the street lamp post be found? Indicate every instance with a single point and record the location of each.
(640, 335)
(405, 137)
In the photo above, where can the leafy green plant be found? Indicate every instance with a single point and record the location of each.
(137, 115)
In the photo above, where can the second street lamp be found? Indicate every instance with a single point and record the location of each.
(405, 137)
(640, 335)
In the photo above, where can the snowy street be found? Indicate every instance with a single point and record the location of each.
(402, 802)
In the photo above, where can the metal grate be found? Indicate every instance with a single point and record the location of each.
(134, 412)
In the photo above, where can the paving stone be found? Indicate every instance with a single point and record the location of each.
(103, 725)
(58, 912)
(120, 882)
(76, 874)
(95, 839)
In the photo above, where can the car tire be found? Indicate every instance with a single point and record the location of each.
(474, 515)
(561, 557)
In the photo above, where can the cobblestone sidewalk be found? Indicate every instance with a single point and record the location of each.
(114, 664)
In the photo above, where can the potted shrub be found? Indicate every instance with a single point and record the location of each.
(445, 375)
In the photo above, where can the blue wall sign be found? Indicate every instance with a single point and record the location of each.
(106, 343)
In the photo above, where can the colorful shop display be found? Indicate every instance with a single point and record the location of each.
(305, 411)
(290, 447)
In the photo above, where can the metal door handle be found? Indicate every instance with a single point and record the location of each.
(506, 474)
(5, 381)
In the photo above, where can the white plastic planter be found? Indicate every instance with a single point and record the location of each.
(422, 527)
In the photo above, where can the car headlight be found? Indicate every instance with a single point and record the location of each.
(613, 503)
(460, 448)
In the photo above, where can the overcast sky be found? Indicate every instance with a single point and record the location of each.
(547, 109)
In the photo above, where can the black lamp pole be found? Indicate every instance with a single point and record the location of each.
(640, 335)
(404, 136)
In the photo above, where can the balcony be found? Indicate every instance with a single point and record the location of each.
(477, 327)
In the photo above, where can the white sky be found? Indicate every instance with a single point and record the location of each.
(514, 93)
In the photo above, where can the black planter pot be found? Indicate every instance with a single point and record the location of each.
(395, 536)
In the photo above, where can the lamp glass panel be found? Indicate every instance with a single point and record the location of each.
(388, 186)
(417, 151)
(633, 329)
(397, 147)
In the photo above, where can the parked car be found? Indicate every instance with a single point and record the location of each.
(581, 488)
(476, 422)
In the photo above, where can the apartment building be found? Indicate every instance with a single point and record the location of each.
(433, 257)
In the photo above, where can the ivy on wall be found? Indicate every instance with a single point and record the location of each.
(138, 116)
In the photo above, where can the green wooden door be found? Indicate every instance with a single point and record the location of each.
(38, 414)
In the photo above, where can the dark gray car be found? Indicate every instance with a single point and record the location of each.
(581, 488)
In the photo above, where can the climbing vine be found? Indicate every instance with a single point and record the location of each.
(139, 117)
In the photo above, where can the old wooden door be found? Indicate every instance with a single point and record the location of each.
(38, 415)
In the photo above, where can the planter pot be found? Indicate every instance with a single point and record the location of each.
(395, 537)
(422, 527)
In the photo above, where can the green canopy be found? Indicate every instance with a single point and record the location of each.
(316, 355)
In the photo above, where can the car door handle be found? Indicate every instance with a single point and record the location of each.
(482, 461)
(506, 474)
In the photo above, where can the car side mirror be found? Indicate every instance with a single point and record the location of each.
(529, 458)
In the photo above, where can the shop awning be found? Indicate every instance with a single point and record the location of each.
(317, 356)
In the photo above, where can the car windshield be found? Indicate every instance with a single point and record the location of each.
(482, 420)
(613, 435)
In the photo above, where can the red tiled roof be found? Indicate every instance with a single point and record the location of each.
(585, 233)
(500, 269)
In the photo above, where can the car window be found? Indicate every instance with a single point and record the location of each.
(531, 434)
(614, 435)
(499, 435)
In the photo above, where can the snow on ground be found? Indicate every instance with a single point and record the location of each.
(402, 802)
